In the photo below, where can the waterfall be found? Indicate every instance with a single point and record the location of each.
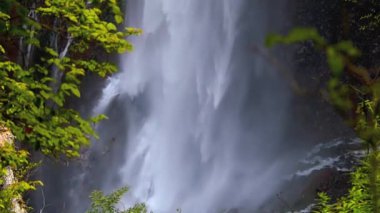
(200, 120)
(200, 117)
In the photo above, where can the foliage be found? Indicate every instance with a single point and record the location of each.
(358, 198)
(17, 161)
(46, 49)
(356, 95)
(370, 20)
(107, 203)
(337, 54)
(31, 99)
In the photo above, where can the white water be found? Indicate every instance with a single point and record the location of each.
(204, 118)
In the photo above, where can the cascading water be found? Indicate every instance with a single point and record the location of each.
(199, 122)
(202, 117)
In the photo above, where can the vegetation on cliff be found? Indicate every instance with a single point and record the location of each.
(353, 88)
(46, 49)
(107, 203)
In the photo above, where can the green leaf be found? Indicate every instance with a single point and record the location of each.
(4, 16)
(118, 19)
(335, 61)
(51, 52)
(296, 35)
(70, 88)
(98, 118)
(2, 50)
(348, 48)
(111, 27)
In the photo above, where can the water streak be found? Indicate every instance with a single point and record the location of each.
(204, 115)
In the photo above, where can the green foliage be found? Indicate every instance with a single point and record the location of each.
(357, 200)
(30, 105)
(337, 54)
(17, 162)
(362, 112)
(24, 109)
(46, 48)
(370, 20)
(338, 57)
(83, 21)
(323, 203)
(107, 203)
(296, 35)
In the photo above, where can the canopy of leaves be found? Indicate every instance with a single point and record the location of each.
(46, 49)
(107, 203)
(12, 160)
(44, 54)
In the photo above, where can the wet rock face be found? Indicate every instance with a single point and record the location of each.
(325, 168)
(335, 183)
(336, 21)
